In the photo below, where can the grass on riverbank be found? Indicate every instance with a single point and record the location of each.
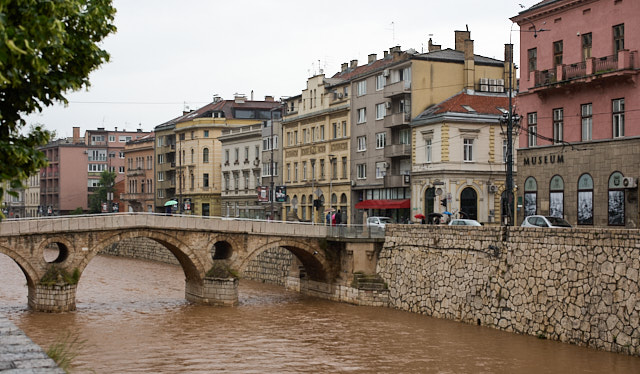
(65, 349)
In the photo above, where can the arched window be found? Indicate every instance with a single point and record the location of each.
(205, 155)
(530, 196)
(469, 203)
(343, 208)
(192, 155)
(585, 200)
(334, 200)
(556, 197)
(304, 207)
(616, 199)
(429, 198)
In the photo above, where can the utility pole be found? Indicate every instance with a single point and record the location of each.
(511, 121)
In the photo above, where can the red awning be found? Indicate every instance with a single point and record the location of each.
(384, 204)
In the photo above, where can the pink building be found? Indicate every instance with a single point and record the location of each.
(578, 152)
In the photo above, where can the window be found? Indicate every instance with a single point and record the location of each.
(361, 171)
(587, 42)
(533, 59)
(313, 169)
(405, 136)
(557, 53)
(505, 150)
(587, 121)
(288, 172)
(112, 138)
(226, 157)
(246, 154)
(124, 138)
(558, 115)
(205, 156)
(428, 150)
(556, 197)
(344, 168)
(334, 168)
(380, 81)
(362, 115)
(192, 155)
(530, 196)
(321, 169)
(205, 180)
(321, 132)
(381, 168)
(295, 138)
(289, 138)
(305, 138)
(616, 200)
(226, 181)
(381, 140)
(193, 135)
(121, 154)
(257, 148)
(361, 88)
(160, 176)
(618, 118)
(468, 149)
(236, 181)
(206, 133)
(532, 128)
(618, 38)
(381, 110)
(334, 127)
(585, 200)
(313, 134)
(236, 152)
(362, 143)
(295, 171)
(245, 176)
(344, 129)
(304, 170)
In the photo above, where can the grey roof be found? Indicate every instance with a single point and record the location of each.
(453, 55)
(540, 5)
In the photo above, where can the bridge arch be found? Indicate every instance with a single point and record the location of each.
(24, 264)
(65, 249)
(193, 267)
(312, 257)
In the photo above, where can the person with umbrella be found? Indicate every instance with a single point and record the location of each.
(421, 217)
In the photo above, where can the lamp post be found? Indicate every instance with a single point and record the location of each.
(331, 158)
(511, 119)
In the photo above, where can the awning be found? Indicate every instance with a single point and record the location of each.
(384, 204)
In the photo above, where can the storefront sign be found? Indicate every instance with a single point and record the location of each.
(263, 194)
(544, 160)
(281, 194)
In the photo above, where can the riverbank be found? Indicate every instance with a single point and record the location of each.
(20, 355)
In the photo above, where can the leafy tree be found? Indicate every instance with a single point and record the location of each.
(47, 48)
(107, 182)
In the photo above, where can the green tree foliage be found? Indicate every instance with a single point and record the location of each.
(47, 48)
(107, 182)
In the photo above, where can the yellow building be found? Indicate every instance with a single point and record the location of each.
(198, 152)
(316, 151)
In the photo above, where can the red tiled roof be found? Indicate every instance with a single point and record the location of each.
(482, 104)
(360, 70)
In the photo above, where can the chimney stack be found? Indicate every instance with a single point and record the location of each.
(268, 98)
(344, 67)
(76, 135)
(461, 36)
(434, 47)
(354, 64)
(508, 59)
(372, 58)
(469, 65)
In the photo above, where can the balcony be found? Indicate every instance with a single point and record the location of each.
(622, 64)
(136, 196)
(397, 150)
(395, 181)
(398, 88)
(397, 119)
(135, 172)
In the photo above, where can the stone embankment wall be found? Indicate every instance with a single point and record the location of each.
(142, 249)
(573, 285)
(272, 266)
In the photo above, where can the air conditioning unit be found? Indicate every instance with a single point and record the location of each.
(493, 89)
(492, 82)
(493, 188)
(629, 182)
(387, 105)
(500, 82)
(484, 87)
(385, 73)
(385, 164)
(484, 80)
(340, 95)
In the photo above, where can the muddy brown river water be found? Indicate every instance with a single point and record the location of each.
(133, 318)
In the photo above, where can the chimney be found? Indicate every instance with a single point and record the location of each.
(386, 54)
(344, 67)
(116, 127)
(372, 58)
(461, 36)
(434, 47)
(469, 65)
(76, 135)
(354, 64)
(268, 98)
(251, 95)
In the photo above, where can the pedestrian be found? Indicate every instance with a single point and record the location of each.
(333, 219)
(328, 218)
(338, 218)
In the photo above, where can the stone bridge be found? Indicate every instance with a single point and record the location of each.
(207, 249)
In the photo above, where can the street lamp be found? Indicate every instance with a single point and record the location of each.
(511, 119)
(331, 158)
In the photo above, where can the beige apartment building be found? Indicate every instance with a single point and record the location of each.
(316, 151)
(138, 193)
(189, 154)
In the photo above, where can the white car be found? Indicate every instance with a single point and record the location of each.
(544, 221)
(378, 221)
(464, 222)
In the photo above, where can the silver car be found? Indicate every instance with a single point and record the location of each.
(544, 221)
(378, 221)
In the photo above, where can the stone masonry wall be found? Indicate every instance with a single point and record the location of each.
(143, 249)
(271, 266)
(573, 285)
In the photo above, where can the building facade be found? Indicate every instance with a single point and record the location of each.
(579, 102)
(271, 169)
(460, 157)
(316, 151)
(241, 172)
(139, 190)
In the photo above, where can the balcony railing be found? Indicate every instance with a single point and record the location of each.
(397, 119)
(136, 196)
(398, 88)
(397, 150)
(135, 172)
(624, 60)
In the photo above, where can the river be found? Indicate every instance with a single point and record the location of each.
(132, 318)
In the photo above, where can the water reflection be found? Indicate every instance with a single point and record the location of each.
(134, 318)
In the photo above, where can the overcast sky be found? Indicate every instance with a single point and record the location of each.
(170, 54)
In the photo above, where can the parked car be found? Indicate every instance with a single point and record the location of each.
(464, 222)
(544, 221)
(378, 221)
